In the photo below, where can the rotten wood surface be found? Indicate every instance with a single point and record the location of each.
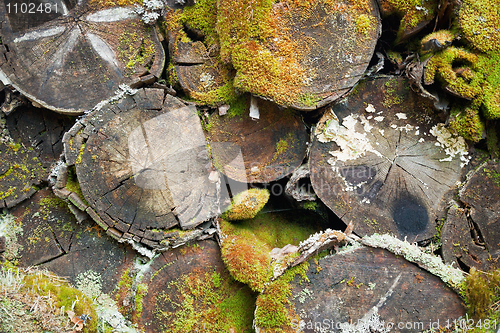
(257, 150)
(471, 234)
(375, 163)
(74, 55)
(40, 128)
(32, 143)
(385, 288)
(141, 164)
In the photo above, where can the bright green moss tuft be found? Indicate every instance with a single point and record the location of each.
(479, 21)
(274, 309)
(247, 204)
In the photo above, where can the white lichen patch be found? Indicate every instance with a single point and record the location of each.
(452, 276)
(401, 115)
(11, 230)
(90, 283)
(370, 108)
(207, 80)
(122, 91)
(150, 10)
(452, 144)
(353, 144)
(379, 118)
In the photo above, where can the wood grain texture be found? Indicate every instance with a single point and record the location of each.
(141, 164)
(382, 169)
(380, 284)
(471, 234)
(258, 150)
(70, 59)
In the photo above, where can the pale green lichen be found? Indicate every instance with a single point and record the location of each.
(108, 314)
(454, 277)
(11, 230)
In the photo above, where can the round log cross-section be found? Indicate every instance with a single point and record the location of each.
(317, 51)
(257, 150)
(142, 166)
(382, 160)
(68, 59)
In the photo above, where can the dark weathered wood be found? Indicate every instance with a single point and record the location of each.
(70, 60)
(41, 129)
(381, 168)
(21, 171)
(141, 164)
(471, 234)
(257, 150)
(461, 245)
(370, 286)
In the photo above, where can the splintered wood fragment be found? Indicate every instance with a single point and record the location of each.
(363, 288)
(317, 243)
(72, 56)
(141, 168)
(260, 150)
(381, 160)
(471, 235)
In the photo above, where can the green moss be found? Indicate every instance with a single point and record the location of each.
(310, 205)
(391, 97)
(73, 185)
(64, 296)
(481, 292)
(142, 290)
(479, 21)
(202, 16)
(133, 54)
(274, 310)
(248, 243)
(413, 12)
(365, 24)
(494, 175)
(467, 122)
(209, 302)
(113, 3)
(246, 204)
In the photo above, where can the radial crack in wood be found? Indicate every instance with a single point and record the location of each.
(381, 160)
(68, 59)
(471, 235)
(141, 170)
